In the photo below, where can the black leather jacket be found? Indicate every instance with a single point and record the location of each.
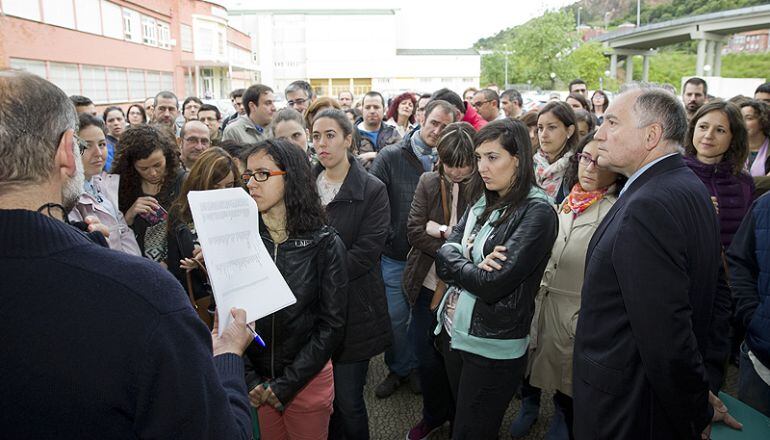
(302, 337)
(505, 298)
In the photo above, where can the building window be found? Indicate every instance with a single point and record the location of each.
(131, 26)
(59, 13)
(136, 88)
(153, 82)
(149, 31)
(117, 82)
(94, 83)
(31, 66)
(112, 20)
(187, 38)
(166, 81)
(88, 16)
(164, 35)
(204, 46)
(22, 8)
(65, 76)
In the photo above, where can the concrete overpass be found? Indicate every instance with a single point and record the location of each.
(711, 31)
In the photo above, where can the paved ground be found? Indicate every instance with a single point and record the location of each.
(391, 418)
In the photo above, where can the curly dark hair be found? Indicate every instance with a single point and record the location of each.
(762, 111)
(571, 173)
(136, 143)
(738, 151)
(393, 109)
(304, 212)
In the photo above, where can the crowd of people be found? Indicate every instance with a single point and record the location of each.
(611, 250)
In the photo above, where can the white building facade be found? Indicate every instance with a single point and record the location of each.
(349, 49)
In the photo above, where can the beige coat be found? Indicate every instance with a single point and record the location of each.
(553, 328)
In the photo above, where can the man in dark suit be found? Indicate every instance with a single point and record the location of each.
(651, 338)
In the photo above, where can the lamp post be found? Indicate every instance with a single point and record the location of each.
(580, 8)
(638, 12)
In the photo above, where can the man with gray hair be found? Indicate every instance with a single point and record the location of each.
(511, 103)
(166, 109)
(194, 139)
(97, 343)
(299, 96)
(345, 98)
(651, 340)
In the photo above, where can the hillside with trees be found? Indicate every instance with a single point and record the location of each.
(546, 52)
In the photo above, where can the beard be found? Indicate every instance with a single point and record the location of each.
(73, 188)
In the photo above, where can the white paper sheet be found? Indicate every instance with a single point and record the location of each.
(241, 272)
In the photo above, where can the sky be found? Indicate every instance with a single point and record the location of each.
(431, 24)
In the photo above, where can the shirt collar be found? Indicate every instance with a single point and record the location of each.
(641, 171)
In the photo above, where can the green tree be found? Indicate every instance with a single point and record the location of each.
(493, 68)
(541, 47)
(588, 62)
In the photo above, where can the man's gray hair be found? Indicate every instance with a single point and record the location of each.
(300, 85)
(166, 95)
(34, 114)
(656, 104)
(490, 95)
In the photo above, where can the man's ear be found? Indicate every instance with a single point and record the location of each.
(653, 134)
(65, 157)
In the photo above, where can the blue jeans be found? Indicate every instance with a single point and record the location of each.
(752, 390)
(399, 357)
(437, 401)
(349, 419)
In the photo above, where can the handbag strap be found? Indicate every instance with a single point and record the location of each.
(188, 275)
(444, 202)
(190, 290)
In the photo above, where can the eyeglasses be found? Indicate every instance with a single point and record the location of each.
(478, 105)
(260, 175)
(196, 140)
(586, 159)
(294, 102)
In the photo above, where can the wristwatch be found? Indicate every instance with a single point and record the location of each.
(442, 230)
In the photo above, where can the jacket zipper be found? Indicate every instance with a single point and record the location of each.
(272, 326)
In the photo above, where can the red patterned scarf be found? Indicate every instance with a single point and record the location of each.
(579, 200)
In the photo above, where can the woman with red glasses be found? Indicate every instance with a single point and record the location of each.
(593, 191)
(293, 384)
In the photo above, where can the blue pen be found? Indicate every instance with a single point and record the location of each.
(257, 338)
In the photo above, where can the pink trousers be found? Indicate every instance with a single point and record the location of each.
(306, 417)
